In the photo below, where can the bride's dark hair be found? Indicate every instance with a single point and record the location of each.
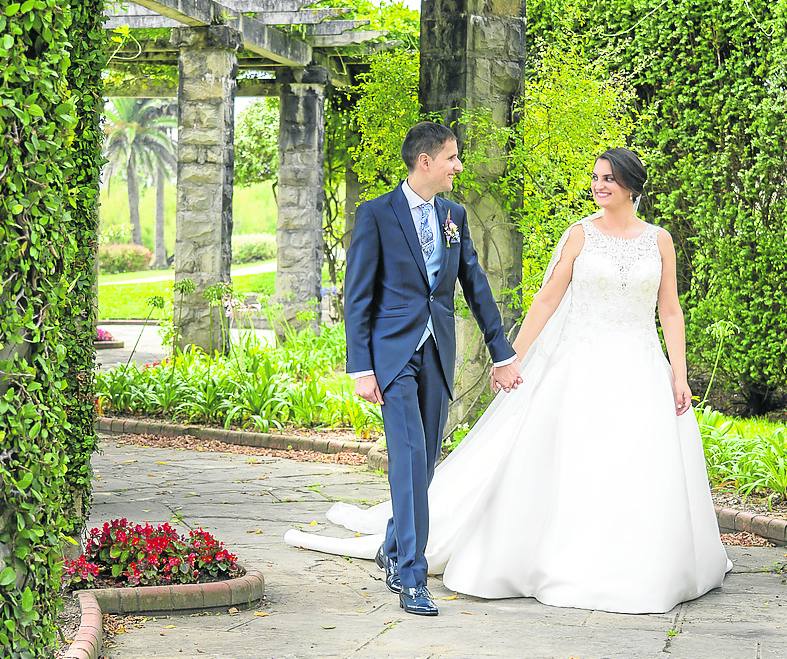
(627, 169)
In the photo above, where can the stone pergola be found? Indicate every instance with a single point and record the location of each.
(211, 42)
(472, 54)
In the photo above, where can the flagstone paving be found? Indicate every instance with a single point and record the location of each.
(328, 606)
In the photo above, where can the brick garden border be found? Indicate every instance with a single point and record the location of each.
(89, 638)
(241, 592)
(120, 425)
(771, 528)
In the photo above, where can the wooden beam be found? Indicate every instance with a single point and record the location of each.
(345, 39)
(257, 37)
(306, 17)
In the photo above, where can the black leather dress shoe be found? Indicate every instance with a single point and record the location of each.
(418, 601)
(388, 565)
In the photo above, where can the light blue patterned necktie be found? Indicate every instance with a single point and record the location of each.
(425, 234)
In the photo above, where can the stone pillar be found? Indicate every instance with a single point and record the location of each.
(207, 66)
(473, 55)
(300, 193)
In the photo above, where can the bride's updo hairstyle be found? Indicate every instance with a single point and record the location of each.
(627, 169)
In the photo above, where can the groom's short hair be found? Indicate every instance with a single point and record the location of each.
(425, 137)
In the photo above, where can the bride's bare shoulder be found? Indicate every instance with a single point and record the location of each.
(575, 239)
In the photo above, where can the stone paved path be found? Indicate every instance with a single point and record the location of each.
(328, 606)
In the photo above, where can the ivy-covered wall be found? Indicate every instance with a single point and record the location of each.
(50, 58)
(709, 78)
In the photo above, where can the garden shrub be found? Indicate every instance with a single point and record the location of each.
(253, 247)
(48, 102)
(118, 257)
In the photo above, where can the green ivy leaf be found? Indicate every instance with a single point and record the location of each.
(7, 576)
(24, 482)
(12, 9)
(27, 600)
(8, 41)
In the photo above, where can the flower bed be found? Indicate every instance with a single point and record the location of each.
(125, 554)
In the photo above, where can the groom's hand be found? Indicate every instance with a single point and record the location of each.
(506, 377)
(366, 387)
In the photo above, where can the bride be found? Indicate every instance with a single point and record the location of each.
(585, 486)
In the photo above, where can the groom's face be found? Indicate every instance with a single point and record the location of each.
(443, 166)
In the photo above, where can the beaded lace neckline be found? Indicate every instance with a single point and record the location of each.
(590, 222)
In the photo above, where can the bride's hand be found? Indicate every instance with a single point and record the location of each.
(682, 397)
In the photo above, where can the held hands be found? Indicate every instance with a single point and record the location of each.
(505, 377)
(366, 387)
(682, 397)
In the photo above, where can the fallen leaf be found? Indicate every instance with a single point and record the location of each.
(169, 626)
(328, 626)
(261, 614)
(313, 523)
(232, 611)
(255, 531)
(162, 462)
(449, 598)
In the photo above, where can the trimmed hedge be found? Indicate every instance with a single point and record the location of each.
(123, 257)
(253, 247)
(50, 55)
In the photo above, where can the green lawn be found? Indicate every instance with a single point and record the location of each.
(148, 274)
(121, 301)
(253, 209)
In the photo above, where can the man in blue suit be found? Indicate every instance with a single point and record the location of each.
(408, 249)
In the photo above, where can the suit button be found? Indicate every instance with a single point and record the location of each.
(431, 298)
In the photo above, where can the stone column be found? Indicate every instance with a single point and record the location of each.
(300, 192)
(473, 55)
(207, 66)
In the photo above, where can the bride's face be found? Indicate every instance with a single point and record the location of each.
(607, 192)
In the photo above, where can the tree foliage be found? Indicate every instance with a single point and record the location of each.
(386, 107)
(257, 143)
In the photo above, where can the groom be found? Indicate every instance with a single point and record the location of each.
(408, 249)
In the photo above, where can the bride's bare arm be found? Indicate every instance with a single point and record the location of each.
(672, 323)
(548, 298)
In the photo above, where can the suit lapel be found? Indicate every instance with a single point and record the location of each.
(441, 210)
(402, 211)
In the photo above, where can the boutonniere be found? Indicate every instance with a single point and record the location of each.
(450, 231)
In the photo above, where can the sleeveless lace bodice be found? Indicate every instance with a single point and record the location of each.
(615, 285)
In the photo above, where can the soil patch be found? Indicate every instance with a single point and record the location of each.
(751, 504)
(196, 444)
(67, 624)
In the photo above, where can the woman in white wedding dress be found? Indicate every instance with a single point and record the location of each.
(586, 486)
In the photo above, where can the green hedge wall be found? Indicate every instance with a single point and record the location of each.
(709, 78)
(51, 149)
(88, 59)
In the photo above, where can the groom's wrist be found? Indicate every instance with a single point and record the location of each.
(505, 362)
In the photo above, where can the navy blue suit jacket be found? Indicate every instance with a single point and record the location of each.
(388, 298)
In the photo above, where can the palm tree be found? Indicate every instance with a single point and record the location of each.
(139, 140)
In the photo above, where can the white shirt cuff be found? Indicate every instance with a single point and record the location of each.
(505, 362)
(360, 374)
